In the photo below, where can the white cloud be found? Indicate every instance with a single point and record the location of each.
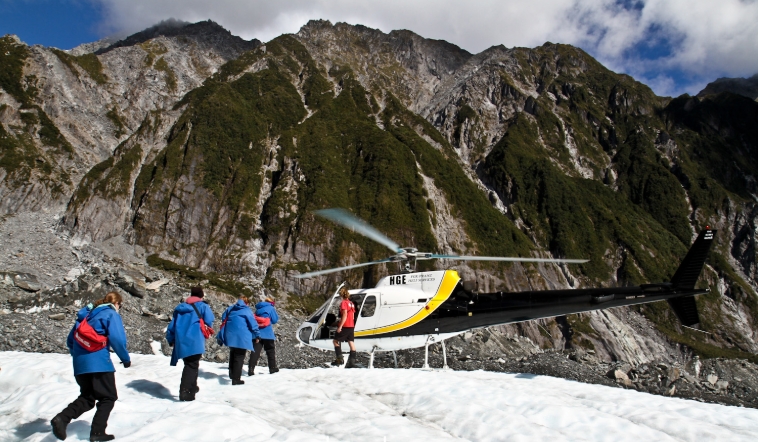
(711, 38)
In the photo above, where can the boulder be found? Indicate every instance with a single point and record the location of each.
(156, 285)
(620, 377)
(131, 282)
(27, 281)
(73, 274)
(689, 378)
(674, 374)
(57, 316)
(6, 278)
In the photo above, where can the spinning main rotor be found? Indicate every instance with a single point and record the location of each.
(345, 219)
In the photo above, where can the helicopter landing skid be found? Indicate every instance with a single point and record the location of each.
(431, 339)
(371, 357)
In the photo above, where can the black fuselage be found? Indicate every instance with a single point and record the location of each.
(466, 310)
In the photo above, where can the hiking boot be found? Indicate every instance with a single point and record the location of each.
(59, 424)
(237, 382)
(197, 389)
(186, 395)
(100, 436)
(271, 356)
(251, 371)
(351, 361)
(338, 356)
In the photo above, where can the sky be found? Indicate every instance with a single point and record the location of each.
(334, 404)
(674, 46)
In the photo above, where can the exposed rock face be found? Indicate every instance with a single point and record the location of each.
(411, 67)
(95, 101)
(212, 152)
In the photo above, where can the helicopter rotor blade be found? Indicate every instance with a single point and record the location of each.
(509, 259)
(337, 269)
(346, 219)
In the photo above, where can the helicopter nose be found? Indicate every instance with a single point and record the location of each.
(304, 333)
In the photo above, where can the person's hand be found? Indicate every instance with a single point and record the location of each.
(257, 340)
(339, 329)
(127, 364)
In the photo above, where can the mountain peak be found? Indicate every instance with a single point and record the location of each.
(205, 31)
(747, 87)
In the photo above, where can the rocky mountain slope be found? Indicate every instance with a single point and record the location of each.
(747, 87)
(211, 154)
(64, 112)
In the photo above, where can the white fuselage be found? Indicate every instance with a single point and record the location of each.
(397, 302)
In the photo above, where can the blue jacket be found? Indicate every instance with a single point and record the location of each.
(266, 310)
(241, 327)
(107, 322)
(184, 330)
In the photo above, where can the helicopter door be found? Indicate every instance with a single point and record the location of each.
(321, 331)
(368, 316)
(326, 324)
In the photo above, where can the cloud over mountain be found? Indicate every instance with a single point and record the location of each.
(674, 45)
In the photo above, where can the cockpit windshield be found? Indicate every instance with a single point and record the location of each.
(316, 316)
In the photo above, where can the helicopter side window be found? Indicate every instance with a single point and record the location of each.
(369, 307)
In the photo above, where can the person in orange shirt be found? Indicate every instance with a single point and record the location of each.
(345, 330)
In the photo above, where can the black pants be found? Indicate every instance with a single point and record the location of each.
(189, 374)
(236, 361)
(94, 388)
(270, 346)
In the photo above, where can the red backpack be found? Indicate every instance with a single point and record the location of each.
(205, 329)
(262, 322)
(88, 338)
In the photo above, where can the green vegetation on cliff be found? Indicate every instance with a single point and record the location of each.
(87, 62)
(117, 121)
(12, 58)
(162, 66)
(20, 157)
(561, 210)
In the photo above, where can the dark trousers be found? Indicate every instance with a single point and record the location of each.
(94, 388)
(270, 346)
(236, 361)
(189, 374)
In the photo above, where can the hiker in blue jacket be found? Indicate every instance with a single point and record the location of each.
(265, 309)
(185, 335)
(238, 331)
(93, 369)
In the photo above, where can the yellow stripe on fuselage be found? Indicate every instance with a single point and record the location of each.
(449, 281)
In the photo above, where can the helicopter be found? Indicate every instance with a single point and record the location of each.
(416, 309)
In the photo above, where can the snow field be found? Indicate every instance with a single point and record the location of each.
(333, 404)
